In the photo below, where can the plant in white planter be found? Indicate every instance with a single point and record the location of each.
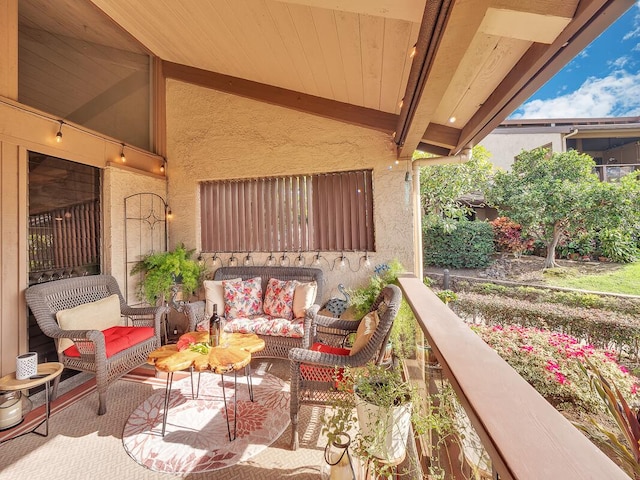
(378, 409)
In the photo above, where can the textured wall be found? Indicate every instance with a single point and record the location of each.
(119, 184)
(213, 135)
(505, 146)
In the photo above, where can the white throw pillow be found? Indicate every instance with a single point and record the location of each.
(303, 297)
(98, 315)
(214, 293)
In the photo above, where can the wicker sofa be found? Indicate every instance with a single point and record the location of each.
(107, 354)
(276, 346)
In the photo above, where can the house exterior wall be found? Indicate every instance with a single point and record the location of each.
(20, 132)
(504, 147)
(213, 135)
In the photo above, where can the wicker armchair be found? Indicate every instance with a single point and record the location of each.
(313, 372)
(46, 299)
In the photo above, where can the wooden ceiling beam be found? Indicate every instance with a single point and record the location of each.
(539, 64)
(344, 112)
(527, 21)
(462, 23)
(441, 135)
(434, 149)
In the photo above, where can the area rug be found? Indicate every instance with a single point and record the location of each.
(196, 437)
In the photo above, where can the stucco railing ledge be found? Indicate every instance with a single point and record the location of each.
(525, 436)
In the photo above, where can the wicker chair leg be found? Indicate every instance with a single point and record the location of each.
(102, 401)
(294, 432)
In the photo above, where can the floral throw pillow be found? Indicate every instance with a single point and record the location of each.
(278, 300)
(242, 298)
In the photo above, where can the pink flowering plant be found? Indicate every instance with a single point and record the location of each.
(551, 363)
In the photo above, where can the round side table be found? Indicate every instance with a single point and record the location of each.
(46, 373)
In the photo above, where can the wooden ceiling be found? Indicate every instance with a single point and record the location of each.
(475, 61)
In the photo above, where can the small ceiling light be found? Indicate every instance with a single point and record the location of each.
(397, 162)
(59, 134)
(413, 51)
(452, 119)
(122, 157)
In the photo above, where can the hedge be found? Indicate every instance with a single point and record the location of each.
(622, 305)
(601, 328)
(470, 245)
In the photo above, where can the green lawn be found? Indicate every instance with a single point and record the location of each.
(623, 280)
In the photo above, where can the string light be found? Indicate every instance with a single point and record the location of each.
(162, 167)
(233, 261)
(270, 260)
(283, 259)
(122, 157)
(413, 51)
(316, 260)
(248, 260)
(367, 262)
(169, 214)
(59, 134)
(300, 260)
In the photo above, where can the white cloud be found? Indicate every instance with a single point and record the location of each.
(616, 95)
(636, 25)
(619, 62)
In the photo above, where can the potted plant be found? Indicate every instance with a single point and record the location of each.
(377, 408)
(162, 271)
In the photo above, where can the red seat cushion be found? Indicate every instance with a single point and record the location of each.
(324, 374)
(118, 339)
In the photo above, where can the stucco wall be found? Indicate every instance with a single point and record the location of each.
(119, 184)
(213, 135)
(505, 146)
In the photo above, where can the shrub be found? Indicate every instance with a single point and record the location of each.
(508, 236)
(576, 299)
(617, 245)
(470, 245)
(626, 306)
(602, 328)
(551, 361)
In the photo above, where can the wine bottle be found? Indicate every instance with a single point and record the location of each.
(214, 327)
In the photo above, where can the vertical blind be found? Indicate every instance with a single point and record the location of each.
(328, 212)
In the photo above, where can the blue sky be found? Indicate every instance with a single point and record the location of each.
(601, 81)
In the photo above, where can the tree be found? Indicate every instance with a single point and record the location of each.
(442, 186)
(549, 195)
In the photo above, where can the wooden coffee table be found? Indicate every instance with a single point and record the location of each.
(233, 354)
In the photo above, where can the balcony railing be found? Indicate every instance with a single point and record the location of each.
(524, 435)
(615, 171)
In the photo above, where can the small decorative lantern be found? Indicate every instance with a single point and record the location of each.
(338, 464)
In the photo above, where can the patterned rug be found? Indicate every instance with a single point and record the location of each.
(196, 437)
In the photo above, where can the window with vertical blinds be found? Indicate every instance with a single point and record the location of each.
(327, 212)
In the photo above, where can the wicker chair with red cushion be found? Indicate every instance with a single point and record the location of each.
(106, 351)
(315, 370)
